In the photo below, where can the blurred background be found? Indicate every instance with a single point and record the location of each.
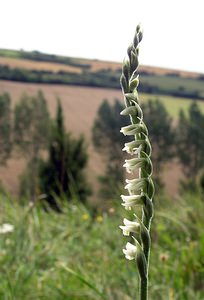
(61, 156)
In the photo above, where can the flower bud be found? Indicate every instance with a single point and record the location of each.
(133, 110)
(138, 28)
(129, 50)
(135, 41)
(124, 83)
(134, 83)
(140, 36)
(133, 96)
(126, 69)
(134, 62)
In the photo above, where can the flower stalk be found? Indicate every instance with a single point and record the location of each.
(140, 189)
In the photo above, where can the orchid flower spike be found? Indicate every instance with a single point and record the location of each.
(141, 188)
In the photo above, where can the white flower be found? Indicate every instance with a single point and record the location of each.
(130, 251)
(135, 185)
(131, 201)
(132, 164)
(132, 129)
(6, 228)
(133, 110)
(133, 147)
(130, 226)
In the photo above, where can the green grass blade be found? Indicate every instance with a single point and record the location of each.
(84, 281)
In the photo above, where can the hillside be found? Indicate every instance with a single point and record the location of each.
(37, 67)
(80, 103)
(36, 60)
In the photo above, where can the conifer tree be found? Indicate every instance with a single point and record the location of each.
(5, 128)
(108, 142)
(190, 141)
(63, 173)
(31, 136)
(162, 137)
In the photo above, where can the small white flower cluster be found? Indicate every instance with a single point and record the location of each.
(138, 186)
(134, 186)
(6, 228)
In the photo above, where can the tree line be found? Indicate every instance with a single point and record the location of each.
(55, 159)
(181, 141)
(101, 78)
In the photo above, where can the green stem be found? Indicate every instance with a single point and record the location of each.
(143, 288)
(144, 281)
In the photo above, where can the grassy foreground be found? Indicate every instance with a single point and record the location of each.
(79, 256)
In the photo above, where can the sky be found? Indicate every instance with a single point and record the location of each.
(173, 30)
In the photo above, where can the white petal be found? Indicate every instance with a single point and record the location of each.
(127, 222)
(131, 247)
(130, 251)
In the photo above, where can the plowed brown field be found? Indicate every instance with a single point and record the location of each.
(37, 65)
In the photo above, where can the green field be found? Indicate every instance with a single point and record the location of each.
(175, 85)
(9, 53)
(172, 104)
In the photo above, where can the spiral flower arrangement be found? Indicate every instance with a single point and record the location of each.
(140, 189)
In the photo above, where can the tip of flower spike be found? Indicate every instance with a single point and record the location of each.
(138, 27)
(140, 35)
